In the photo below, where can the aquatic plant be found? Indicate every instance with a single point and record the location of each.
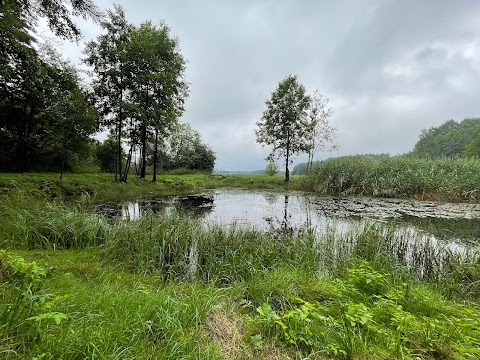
(401, 176)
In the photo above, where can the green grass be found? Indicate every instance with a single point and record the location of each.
(110, 314)
(437, 179)
(101, 186)
(74, 286)
(283, 312)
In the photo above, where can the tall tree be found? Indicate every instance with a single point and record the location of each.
(159, 89)
(42, 107)
(58, 14)
(184, 148)
(108, 56)
(284, 123)
(320, 134)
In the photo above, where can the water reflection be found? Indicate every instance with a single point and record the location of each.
(424, 235)
(294, 212)
(197, 206)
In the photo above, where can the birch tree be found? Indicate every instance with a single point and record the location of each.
(321, 134)
(284, 125)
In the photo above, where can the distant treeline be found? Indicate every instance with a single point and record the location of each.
(443, 165)
(450, 140)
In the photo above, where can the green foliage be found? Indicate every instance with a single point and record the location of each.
(105, 153)
(139, 87)
(451, 139)
(356, 322)
(22, 299)
(472, 149)
(58, 14)
(39, 91)
(301, 169)
(184, 149)
(284, 124)
(271, 169)
(402, 176)
(39, 128)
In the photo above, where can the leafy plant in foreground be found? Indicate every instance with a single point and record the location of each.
(23, 303)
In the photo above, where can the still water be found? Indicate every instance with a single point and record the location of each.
(455, 224)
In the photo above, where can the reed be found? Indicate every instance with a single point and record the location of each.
(401, 176)
(32, 223)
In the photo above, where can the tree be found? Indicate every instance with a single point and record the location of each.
(37, 92)
(447, 140)
(106, 154)
(271, 169)
(320, 134)
(43, 113)
(284, 124)
(159, 89)
(58, 14)
(472, 149)
(139, 83)
(108, 56)
(74, 120)
(184, 148)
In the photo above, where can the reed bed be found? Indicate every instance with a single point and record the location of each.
(180, 248)
(402, 176)
(171, 287)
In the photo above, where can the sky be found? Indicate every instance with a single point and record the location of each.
(389, 68)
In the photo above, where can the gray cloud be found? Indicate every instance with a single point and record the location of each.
(390, 68)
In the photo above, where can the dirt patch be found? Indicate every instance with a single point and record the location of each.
(228, 333)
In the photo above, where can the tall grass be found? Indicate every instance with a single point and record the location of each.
(447, 179)
(181, 248)
(154, 288)
(176, 247)
(28, 223)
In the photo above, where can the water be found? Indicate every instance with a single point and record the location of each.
(421, 234)
(264, 209)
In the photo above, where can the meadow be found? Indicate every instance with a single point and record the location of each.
(76, 285)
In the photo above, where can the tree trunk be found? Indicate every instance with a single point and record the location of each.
(127, 165)
(155, 158)
(63, 160)
(119, 146)
(287, 173)
(144, 151)
(309, 163)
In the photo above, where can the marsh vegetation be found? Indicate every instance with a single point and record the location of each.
(77, 284)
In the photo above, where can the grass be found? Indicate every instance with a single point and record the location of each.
(101, 186)
(74, 285)
(427, 179)
(283, 312)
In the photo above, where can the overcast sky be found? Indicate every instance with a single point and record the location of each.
(389, 68)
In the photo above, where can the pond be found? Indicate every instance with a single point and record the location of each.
(293, 211)
(426, 236)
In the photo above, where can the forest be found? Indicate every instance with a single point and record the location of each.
(49, 114)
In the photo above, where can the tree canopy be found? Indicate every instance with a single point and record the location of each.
(451, 139)
(294, 122)
(137, 91)
(184, 148)
(138, 83)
